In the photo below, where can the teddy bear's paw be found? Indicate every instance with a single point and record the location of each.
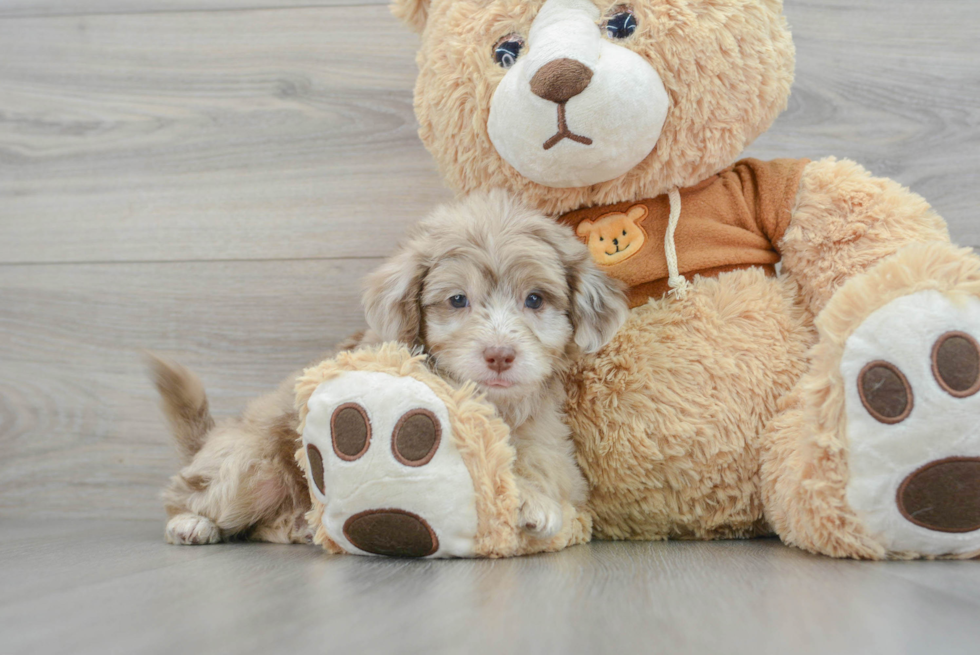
(384, 465)
(191, 530)
(539, 515)
(912, 377)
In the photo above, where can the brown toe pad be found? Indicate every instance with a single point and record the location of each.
(943, 495)
(391, 532)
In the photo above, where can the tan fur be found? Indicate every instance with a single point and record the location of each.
(667, 429)
(675, 417)
(677, 410)
(495, 252)
(846, 221)
(727, 66)
(804, 471)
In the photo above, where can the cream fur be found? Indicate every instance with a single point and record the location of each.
(493, 253)
(240, 477)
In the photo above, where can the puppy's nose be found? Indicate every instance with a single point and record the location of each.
(499, 359)
(560, 80)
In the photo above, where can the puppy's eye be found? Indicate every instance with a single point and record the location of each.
(507, 50)
(459, 301)
(533, 301)
(621, 24)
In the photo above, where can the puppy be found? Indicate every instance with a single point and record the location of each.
(501, 295)
(495, 293)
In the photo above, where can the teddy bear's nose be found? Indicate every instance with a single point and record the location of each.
(615, 242)
(561, 80)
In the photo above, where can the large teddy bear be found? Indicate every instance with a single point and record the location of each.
(833, 403)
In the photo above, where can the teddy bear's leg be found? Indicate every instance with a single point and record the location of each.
(876, 452)
(845, 221)
(667, 417)
(385, 468)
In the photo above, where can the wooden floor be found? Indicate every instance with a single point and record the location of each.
(210, 179)
(79, 587)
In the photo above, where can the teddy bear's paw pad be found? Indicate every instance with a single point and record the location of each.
(391, 532)
(383, 463)
(912, 376)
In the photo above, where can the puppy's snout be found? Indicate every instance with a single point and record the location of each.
(499, 359)
(560, 80)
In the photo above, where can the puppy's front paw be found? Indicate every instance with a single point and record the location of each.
(301, 532)
(540, 516)
(192, 529)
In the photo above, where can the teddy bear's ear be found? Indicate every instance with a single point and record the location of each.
(413, 12)
(637, 213)
(584, 228)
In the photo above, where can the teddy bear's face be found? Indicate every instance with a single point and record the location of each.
(568, 111)
(616, 236)
(570, 103)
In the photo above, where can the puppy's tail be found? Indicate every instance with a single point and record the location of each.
(184, 403)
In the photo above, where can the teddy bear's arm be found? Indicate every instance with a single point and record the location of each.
(844, 221)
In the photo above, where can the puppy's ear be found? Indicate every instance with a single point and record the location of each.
(598, 307)
(414, 12)
(392, 303)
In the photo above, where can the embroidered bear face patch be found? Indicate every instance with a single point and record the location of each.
(614, 237)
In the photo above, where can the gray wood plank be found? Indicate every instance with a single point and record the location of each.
(80, 432)
(86, 587)
(894, 85)
(228, 135)
(248, 134)
(31, 8)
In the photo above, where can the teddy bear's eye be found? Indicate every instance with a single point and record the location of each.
(621, 24)
(507, 50)
(459, 301)
(624, 232)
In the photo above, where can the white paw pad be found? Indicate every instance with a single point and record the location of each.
(192, 529)
(540, 516)
(912, 376)
(384, 466)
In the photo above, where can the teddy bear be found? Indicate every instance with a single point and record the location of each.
(831, 401)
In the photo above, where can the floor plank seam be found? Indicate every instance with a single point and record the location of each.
(233, 260)
(211, 10)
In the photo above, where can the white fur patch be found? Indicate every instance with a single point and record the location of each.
(441, 491)
(622, 110)
(881, 456)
